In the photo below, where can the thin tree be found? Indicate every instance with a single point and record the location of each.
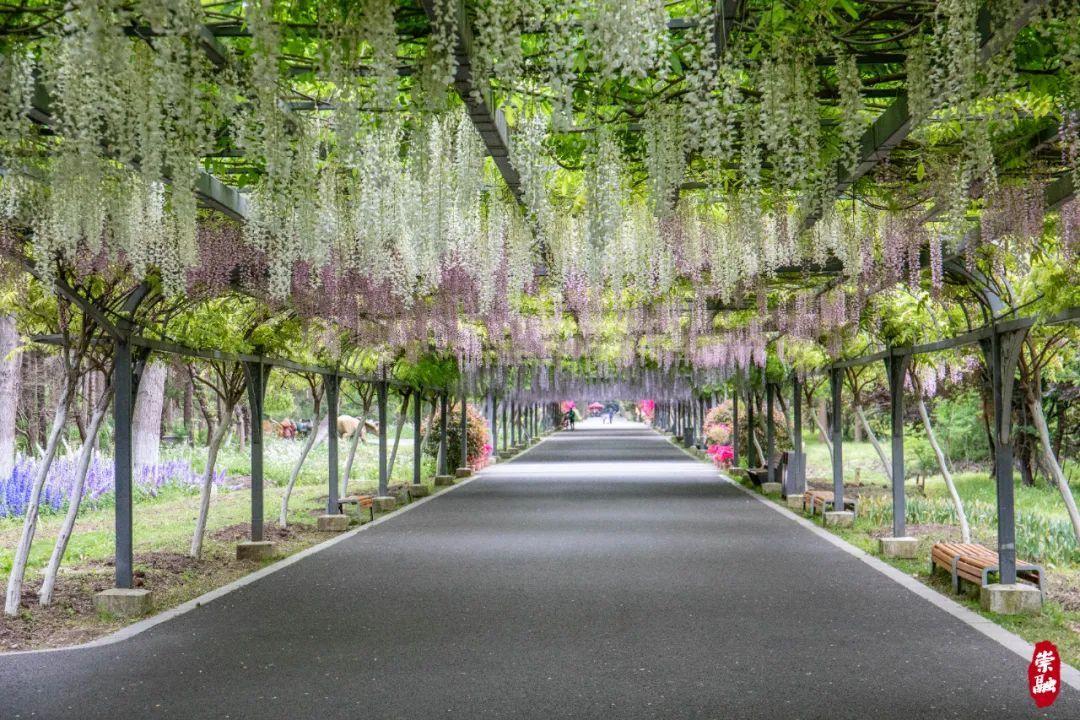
(397, 431)
(316, 386)
(86, 453)
(76, 340)
(227, 381)
(939, 453)
(10, 373)
(857, 383)
(1033, 359)
(365, 392)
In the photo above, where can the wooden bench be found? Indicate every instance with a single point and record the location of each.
(974, 562)
(818, 501)
(361, 502)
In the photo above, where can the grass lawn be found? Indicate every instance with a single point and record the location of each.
(163, 527)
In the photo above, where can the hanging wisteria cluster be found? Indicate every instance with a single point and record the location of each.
(669, 163)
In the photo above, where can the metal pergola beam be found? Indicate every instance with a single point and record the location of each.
(894, 125)
(489, 121)
(211, 192)
(1068, 315)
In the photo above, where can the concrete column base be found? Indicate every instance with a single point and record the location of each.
(535, 440)
(419, 491)
(333, 523)
(254, 550)
(795, 502)
(463, 472)
(385, 503)
(444, 480)
(123, 602)
(770, 488)
(899, 547)
(1015, 599)
(839, 518)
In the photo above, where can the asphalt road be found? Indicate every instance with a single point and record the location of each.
(603, 574)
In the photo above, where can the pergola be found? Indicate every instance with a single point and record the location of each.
(712, 48)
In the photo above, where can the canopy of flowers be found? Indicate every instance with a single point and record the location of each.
(683, 185)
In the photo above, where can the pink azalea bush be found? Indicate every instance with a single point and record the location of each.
(722, 455)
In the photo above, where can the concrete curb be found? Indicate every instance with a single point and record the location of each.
(1069, 675)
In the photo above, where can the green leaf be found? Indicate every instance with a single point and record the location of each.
(850, 9)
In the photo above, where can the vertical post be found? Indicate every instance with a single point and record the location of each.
(1002, 352)
(837, 438)
(380, 390)
(123, 402)
(735, 427)
(330, 383)
(464, 430)
(417, 449)
(443, 410)
(896, 368)
(702, 412)
(505, 429)
(797, 467)
(256, 391)
(770, 432)
(494, 400)
(750, 426)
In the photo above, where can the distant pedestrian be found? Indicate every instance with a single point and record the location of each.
(570, 418)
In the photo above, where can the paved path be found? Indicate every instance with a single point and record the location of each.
(601, 575)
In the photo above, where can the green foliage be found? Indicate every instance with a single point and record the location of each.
(959, 427)
(478, 438)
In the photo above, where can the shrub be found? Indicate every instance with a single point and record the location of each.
(718, 427)
(479, 439)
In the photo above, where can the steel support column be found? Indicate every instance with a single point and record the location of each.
(417, 444)
(123, 404)
(494, 400)
(443, 410)
(896, 369)
(505, 429)
(735, 427)
(463, 427)
(750, 427)
(797, 464)
(837, 425)
(384, 481)
(256, 374)
(1002, 352)
(770, 432)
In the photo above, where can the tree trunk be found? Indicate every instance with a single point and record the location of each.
(10, 372)
(207, 483)
(353, 442)
(22, 551)
(874, 441)
(397, 434)
(283, 518)
(86, 453)
(204, 408)
(146, 418)
(189, 410)
(32, 408)
(241, 426)
(1034, 396)
(430, 425)
(787, 418)
(819, 422)
(958, 504)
